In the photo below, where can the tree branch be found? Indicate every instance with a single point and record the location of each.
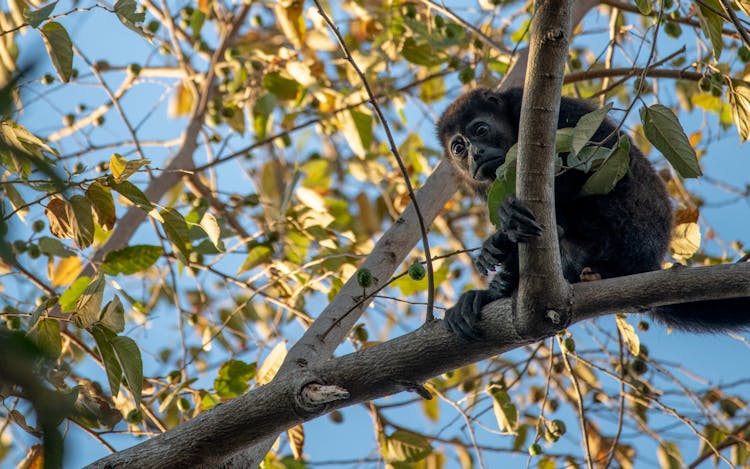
(429, 351)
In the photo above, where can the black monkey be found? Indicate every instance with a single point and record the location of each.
(623, 232)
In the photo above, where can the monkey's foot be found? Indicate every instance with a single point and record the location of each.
(588, 275)
(463, 318)
(518, 221)
(495, 251)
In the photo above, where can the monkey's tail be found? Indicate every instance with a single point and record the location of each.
(731, 314)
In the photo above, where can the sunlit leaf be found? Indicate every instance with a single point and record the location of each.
(280, 86)
(131, 259)
(61, 218)
(629, 335)
(257, 255)
(686, 240)
(712, 23)
(406, 447)
(64, 271)
(177, 231)
(505, 411)
(70, 296)
(739, 100)
(271, 364)
(211, 227)
(234, 378)
(59, 47)
(669, 456)
(296, 436)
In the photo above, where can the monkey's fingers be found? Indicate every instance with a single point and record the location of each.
(518, 221)
(463, 318)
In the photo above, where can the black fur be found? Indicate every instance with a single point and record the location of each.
(624, 232)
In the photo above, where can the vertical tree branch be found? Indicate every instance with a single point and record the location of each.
(542, 290)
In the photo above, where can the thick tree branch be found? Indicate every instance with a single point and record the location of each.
(413, 358)
(542, 291)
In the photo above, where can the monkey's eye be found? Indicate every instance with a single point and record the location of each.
(481, 129)
(458, 146)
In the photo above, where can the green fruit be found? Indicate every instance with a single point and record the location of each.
(705, 84)
(673, 30)
(535, 449)
(38, 226)
(134, 69)
(416, 271)
(135, 416)
(365, 278)
(48, 79)
(744, 54)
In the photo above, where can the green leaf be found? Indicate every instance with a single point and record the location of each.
(664, 131)
(739, 100)
(103, 338)
(122, 168)
(196, 22)
(257, 255)
(403, 446)
(669, 456)
(711, 24)
(113, 315)
(129, 357)
(610, 172)
(90, 303)
(177, 231)
(586, 127)
(503, 186)
(363, 124)
(505, 411)
(132, 193)
(127, 13)
(234, 378)
(70, 296)
(59, 47)
(54, 247)
(36, 17)
(16, 201)
(280, 86)
(46, 335)
(421, 54)
(83, 229)
(131, 259)
(103, 204)
(645, 6)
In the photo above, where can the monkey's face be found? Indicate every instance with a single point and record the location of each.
(478, 146)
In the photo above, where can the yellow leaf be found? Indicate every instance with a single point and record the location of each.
(66, 270)
(289, 17)
(271, 364)
(182, 103)
(296, 440)
(686, 239)
(629, 335)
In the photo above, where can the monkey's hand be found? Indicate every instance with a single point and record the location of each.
(463, 317)
(495, 251)
(518, 221)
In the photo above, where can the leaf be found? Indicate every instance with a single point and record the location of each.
(611, 171)
(127, 13)
(431, 408)
(669, 456)
(177, 231)
(271, 364)
(739, 101)
(587, 126)
(54, 247)
(133, 194)
(103, 338)
(46, 335)
(59, 47)
(234, 378)
(36, 17)
(503, 186)
(131, 259)
(406, 447)
(664, 131)
(129, 357)
(122, 168)
(296, 436)
(70, 296)
(280, 86)
(505, 411)
(65, 271)
(103, 204)
(421, 54)
(629, 335)
(90, 302)
(16, 201)
(211, 227)
(257, 255)
(711, 24)
(60, 213)
(686, 240)
(83, 229)
(644, 6)
(113, 315)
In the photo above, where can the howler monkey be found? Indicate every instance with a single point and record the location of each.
(625, 231)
